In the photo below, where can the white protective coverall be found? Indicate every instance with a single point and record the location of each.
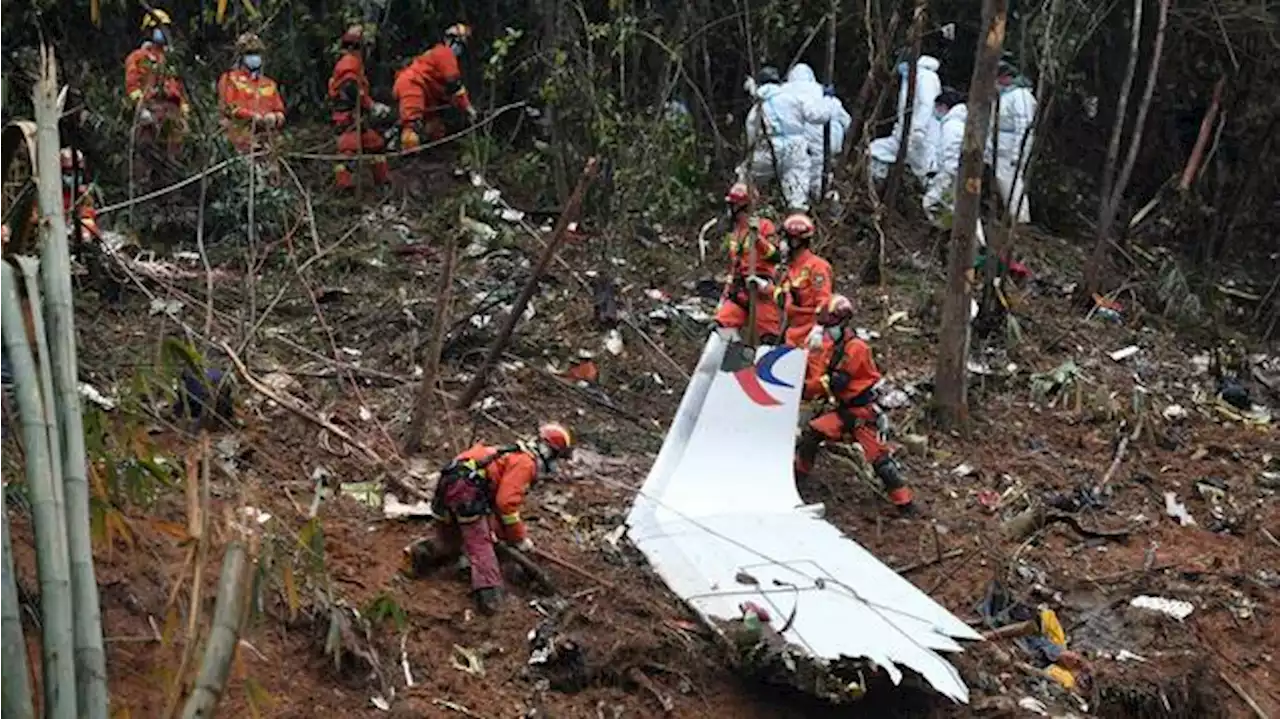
(1017, 111)
(920, 153)
(804, 83)
(784, 117)
(940, 191)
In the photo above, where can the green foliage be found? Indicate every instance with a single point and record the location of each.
(384, 607)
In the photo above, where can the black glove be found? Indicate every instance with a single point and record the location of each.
(839, 381)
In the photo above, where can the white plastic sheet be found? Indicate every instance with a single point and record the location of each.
(721, 501)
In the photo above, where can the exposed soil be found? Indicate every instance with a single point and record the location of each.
(383, 312)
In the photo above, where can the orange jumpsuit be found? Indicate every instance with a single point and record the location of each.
(149, 83)
(352, 109)
(244, 98)
(808, 286)
(468, 513)
(424, 87)
(733, 310)
(88, 215)
(843, 372)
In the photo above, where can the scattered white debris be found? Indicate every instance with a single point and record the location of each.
(1200, 363)
(1034, 706)
(187, 256)
(1176, 608)
(479, 231)
(1177, 510)
(365, 414)
(489, 403)
(894, 399)
(381, 703)
(92, 394)
(511, 214)
(1174, 412)
(613, 342)
(1124, 655)
(895, 318)
(963, 470)
(1124, 353)
(492, 196)
(255, 515)
(279, 381)
(865, 334)
(351, 352)
(164, 307)
(529, 312)
(369, 493)
(393, 508)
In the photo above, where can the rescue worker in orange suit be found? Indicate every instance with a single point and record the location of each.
(432, 82)
(354, 112)
(156, 94)
(745, 280)
(76, 198)
(842, 373)
(250, 103)
(478, 496)
(807, 283)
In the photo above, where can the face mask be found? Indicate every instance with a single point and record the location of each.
(158, 36)
(457, 48)
(253, 62)
(66, 181)
(784, 247)
(904, 69)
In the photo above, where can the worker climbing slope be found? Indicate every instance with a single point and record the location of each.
(883, 151)
(355, 112)
(250, 103)
(753, 261)
(807, 284)
(843, 375)
(777, 135)
(156, 95)
(429, 84)
(479, 494)
(1017, 113)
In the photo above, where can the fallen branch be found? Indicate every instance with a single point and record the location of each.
(1121, 449)
(540, 576)
(228, 615)
(1240, 692)
(1012, 631)
(454, 706)
(431, 361)
(1032, 520)
(565, 564)
(644, 682)
(294, 405)
(939, 559)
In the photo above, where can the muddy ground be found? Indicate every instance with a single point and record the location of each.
(349, 342)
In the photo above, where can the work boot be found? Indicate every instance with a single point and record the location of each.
(900, 495)
(488, 600)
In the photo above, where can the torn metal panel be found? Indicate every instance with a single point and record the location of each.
(720, 520)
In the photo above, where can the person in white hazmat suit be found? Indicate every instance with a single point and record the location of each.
(1017, 112)
(802, 82)
(920, 150)
(940, 191)
(777, 133)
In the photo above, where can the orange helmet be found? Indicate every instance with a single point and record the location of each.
(837, 310)
(739, 195)
(799, 226)
(353, 37)
(557, 437)
(460, 32)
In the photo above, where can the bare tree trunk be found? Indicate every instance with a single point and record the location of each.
(431, 363)
(1202, 140)
(1106, 208)
(517, 309)
(1140, 120)
(831, 79)
(908, 109)
(951, 393)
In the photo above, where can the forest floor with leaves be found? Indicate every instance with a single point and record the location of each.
(357, 295)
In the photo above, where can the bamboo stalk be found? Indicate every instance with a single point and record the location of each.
(30, 267)
(16, 700)
(58, 658)
(91, 665)
(224, 635)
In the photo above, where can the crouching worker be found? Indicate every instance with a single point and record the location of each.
(479, 494)
(843, 373)
(754, 255)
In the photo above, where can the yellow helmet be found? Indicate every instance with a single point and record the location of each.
(155, 17)
(249, 43)
(460, 31)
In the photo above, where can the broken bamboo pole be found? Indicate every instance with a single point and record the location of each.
(565, 564)
(539, 575)
(224, 636)
(548, 253)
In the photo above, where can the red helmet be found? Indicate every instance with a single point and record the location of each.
(353, 37)
(799, 226)
(557, 437)
(739, 195)
(837, 310)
